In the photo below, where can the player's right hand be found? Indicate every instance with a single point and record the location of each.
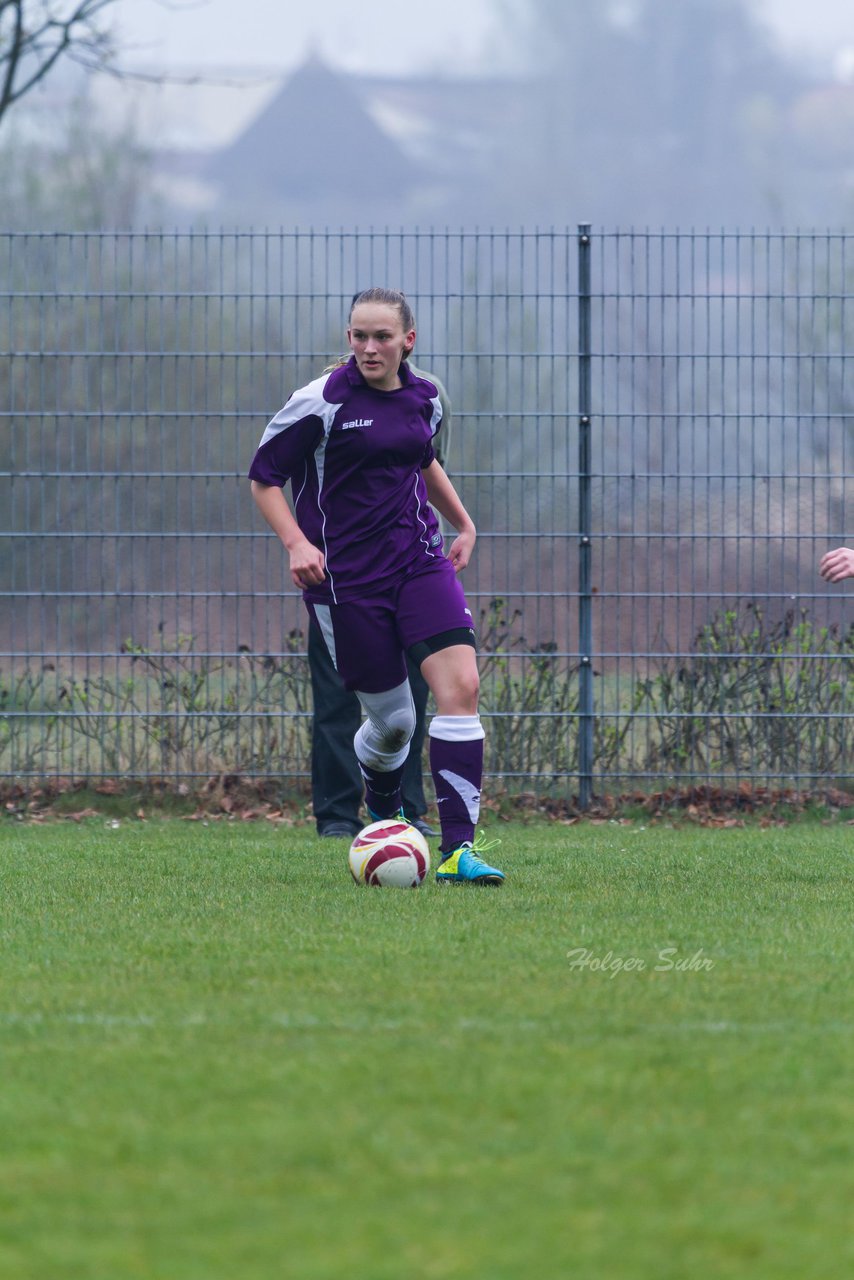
(307, 565)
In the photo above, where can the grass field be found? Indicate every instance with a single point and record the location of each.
(223, 1061)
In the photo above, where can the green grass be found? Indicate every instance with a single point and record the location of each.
(223, 1061)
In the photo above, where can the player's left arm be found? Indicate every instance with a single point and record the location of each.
(444, 498)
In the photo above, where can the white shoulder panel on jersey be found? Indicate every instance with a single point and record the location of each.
(307, 402)
(436, 417)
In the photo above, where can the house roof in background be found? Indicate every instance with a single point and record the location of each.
(328, 131)
(314, 138)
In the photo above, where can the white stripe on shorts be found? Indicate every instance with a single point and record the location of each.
(323, 616)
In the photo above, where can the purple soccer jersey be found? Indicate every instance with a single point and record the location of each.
(354, 457)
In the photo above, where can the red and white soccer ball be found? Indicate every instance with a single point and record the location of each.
(390, 853)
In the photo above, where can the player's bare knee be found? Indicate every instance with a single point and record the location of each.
(457, 700)
(466, 692)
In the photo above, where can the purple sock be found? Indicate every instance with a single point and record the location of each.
(456, 762)
(382, 790)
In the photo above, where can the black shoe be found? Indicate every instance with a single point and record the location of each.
(424, 827)
(339, 830)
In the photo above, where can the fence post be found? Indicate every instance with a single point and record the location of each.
(585, 592)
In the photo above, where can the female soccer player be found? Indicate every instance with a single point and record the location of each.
(364, 546)
(837, 565)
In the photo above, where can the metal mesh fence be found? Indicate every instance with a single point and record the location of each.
(652, 431)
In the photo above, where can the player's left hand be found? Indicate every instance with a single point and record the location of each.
(460, 550)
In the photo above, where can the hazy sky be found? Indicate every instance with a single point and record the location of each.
(381, 37)
(264, 33)
(243, 48)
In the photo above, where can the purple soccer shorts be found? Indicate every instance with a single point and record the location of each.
(368, 638)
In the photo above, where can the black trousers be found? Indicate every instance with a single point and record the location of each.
(337, 789)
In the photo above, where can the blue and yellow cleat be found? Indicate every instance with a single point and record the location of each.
(375, 817)
(464, 865)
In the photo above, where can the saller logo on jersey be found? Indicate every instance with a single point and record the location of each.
(357, 422)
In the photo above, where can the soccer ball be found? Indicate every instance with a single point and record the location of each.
(389, 853)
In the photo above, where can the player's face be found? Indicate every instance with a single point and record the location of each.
(378, 341)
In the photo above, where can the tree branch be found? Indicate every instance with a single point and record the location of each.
(35, 35)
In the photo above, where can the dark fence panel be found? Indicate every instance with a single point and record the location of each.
(723, 449)
(148, 627)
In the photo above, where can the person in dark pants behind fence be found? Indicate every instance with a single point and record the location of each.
(336, 782)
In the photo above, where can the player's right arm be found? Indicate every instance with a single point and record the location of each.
(306, 560)
(289, 439)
